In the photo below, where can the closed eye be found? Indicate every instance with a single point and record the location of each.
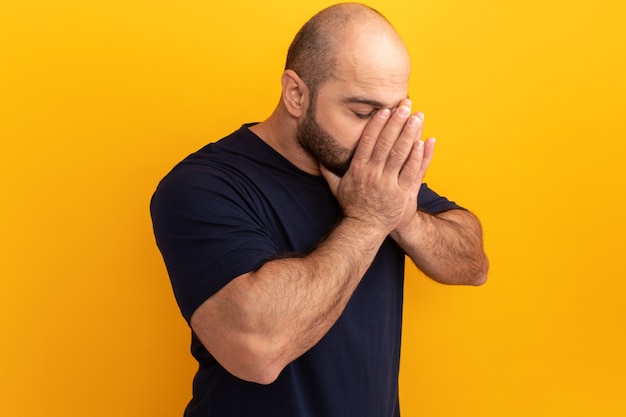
(365, 116)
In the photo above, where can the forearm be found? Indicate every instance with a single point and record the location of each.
(303, 297)
(262, 321)
(447, 247)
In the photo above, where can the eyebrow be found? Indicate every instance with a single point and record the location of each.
(361, 100)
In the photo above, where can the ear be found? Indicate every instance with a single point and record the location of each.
(295, 93)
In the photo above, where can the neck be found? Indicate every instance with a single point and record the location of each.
(279, 132)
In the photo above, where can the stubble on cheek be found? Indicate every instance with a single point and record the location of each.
(323, 146)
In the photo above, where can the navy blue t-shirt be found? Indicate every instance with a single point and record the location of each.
(225, 211)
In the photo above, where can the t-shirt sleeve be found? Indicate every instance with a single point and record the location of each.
(431, 202)
(208, 233)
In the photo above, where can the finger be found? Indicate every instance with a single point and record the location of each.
(420, 115)
(369, 137)
(410, 173)
(429, 149)
(404, 102)
(332, 179)
(403, 146)
(392, 132)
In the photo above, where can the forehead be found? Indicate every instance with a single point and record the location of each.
(370, 68)
(369, 89)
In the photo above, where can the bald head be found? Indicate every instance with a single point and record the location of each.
(342, 37)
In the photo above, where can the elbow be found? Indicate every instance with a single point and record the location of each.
(266, 377)
(259, 375)
(241, 345)
(255, 361)
(480, 272)
(478, 280)
(468, 273)
(261, 370)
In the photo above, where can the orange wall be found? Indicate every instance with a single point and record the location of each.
(98, 99)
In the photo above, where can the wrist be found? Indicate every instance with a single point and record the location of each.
(406, 226)
(364, 229)
(408, 231)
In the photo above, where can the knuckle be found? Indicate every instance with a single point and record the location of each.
(397, 156)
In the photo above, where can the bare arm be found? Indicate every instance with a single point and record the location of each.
(447, 247)
(263, 320)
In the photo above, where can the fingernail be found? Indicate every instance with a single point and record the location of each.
(384, 113)
(404, 111)
(414, 121)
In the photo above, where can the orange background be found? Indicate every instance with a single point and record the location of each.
(98, 99)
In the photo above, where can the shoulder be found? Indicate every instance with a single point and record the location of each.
(218, 166)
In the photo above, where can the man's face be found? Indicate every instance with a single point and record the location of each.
(367, 78)
(334, 123)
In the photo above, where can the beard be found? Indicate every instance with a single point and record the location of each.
(320, 144)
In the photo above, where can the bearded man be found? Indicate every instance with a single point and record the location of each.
(285, 242)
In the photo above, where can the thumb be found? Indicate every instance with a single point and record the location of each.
(332, 179)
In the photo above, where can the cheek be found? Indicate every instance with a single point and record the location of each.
(351, 133)
(354, 134)
(345, 129)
